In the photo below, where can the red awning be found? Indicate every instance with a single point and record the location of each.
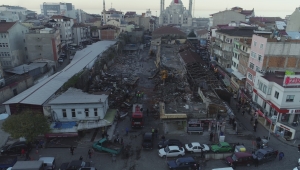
(270, 121)
(61, 135)
(261, 113)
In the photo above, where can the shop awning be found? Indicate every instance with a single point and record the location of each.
(238, 75)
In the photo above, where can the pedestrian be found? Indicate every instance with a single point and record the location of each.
(281, 155)
(41, 143)
(152, 131)
(121, 141)
(27, 156)
(147, 112)
(72, 150)
(202, 153)
(22, 152)
(254, 127)
(156, 132)
(256, 162)
(234, 125)
(127, 131)
(251, 119)
(255, 122)
(211, 135)
(90, 153)
(298, 147)
(243, 112)
(80, 158)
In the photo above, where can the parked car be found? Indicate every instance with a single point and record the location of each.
(60, 60)
(71, 48)
(222, 147)
(265, 154)
(169, 142)
(15, 148)
(49, 162)
(196, 147)
(74, 165)
(182, 163)
(171, 151)
(240, 158)
(63, 55)
(147, 141)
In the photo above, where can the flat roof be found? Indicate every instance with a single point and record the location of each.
(73, 95)
(41, 92)
(24, 68)
(278, 78)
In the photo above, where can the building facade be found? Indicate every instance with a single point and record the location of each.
(50, 9)
(64, 24)
(276, 93)
(12, 44)
(293, 23)
(43, 44)
(15, 9)
(108, 32)
(226, 17)
(81, 33)
(175, 14)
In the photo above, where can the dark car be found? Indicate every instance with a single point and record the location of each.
(147, 141)
(240, 158)
(15, 148)
(265, 155)
(169, 142)
(74, 165)
(182, 163)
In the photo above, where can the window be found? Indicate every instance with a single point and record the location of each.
(255, 98)
(264, 105)
(0, 44)
(251, 65)
(261, 46)
(257, 68)
(95, 112)
(254, 43)
(259, 57)
(260, 86)
(64, 112)
(73, 113)
(86, 111)
(249, 76)
(237, 65)
(264, 89)
(290, 98)
(269, 91)
(276, 95)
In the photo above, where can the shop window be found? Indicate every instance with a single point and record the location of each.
(86, 111)
(73, 113)
(249, 76)
(276, 95)
(64, 112)
(290, 98)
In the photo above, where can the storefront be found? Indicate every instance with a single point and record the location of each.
(284, 131)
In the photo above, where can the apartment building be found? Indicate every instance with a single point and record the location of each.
(64, 25)
(81, 33)
(50, 9)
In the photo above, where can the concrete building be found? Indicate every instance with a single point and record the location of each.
(276, 93)
(64, 24)
(43, 44)
(109, 32)
(293, 23)
(50, 9)
(12, 44)
(9, 16)
(2, 81)
(111, 14)
(176, 14)
(15, 9)
(223, 46)
(121, 24)
(226, 17)
(81, 33)
(271, 54)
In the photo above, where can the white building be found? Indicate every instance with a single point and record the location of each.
(81, 33)
(15, 9)
(64, 24)
(50, 9)
(278, 94)
(175, 14)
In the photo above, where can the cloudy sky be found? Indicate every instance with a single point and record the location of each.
(202, 8)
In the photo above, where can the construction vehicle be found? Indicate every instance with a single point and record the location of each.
(137, 117)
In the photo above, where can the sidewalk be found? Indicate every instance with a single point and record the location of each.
(262, 130)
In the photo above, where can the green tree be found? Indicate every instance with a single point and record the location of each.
(27, 124)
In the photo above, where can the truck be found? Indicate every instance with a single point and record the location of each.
(137, 117)
(7, 161)
(108, 146)
(28, 165)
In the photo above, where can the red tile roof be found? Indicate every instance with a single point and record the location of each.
(5, 26)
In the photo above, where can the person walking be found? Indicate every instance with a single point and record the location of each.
(211, 135)
(80, 158)
(152, 131)
(281, 155)
(243, 112)
(156, 132)
(256, 162)
(22, 152)
(90, 153)
(121, 141)
(256, 122)
(298, 147)
(72, 150)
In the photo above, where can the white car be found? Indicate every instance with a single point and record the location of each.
(171, 151)
(196, 147)
(60, 60)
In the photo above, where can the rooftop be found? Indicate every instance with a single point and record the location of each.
(73, 96)
(25, 68)
(239, 31)
(278, 78)
(79, 25)
(164, 30)
(5, 26)
(60, 17)
(41, 92)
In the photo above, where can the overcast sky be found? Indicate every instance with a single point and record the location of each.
(203, 7)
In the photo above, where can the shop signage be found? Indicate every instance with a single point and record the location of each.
(291, 80)
(292, 111)
(284, 127)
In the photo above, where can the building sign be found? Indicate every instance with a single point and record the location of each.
(293, 111)
(291, 80)
(284, 127)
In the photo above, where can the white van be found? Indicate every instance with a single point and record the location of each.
(48, 162)
(227, 168)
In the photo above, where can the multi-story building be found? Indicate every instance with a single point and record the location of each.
(43, 44)
(50, 9)
(15, 9)
(108, 32)
(269, 54)
(223, 46)
(276, 93)
(176, 13)
(111, 14)
(81, 33)
(64, 24)
(12, 44)
(2, 81)
(293, 23)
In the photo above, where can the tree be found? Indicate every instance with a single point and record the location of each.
(27, 124)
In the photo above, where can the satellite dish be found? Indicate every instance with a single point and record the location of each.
(278, 38)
